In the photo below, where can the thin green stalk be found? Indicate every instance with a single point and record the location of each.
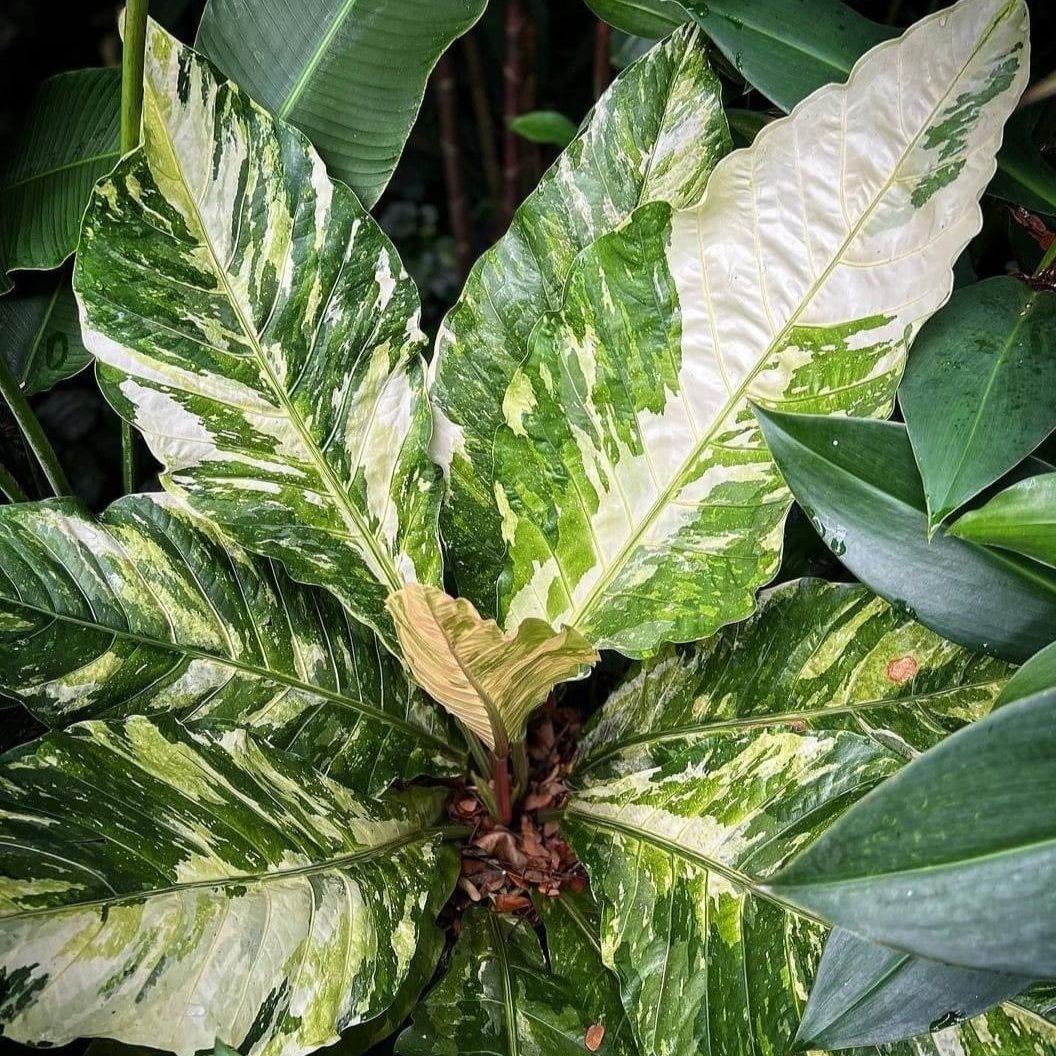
(31, 430)
(1048, 260)
(10, 487)
(131, 119)
(501, 784)
(519, 753)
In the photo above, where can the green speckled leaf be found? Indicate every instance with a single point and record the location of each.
(167, 888)
(712, 765)
(641, 504)
(254, 323)
(147, 611)
(654, 136)
(500, 998)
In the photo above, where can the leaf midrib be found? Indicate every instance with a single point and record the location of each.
(579, 612)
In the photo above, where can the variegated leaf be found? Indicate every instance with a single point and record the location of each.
(654, 136)
(491, 681)
(147, 610)
(640, 502)
(168, 888)
(254, 323)
(499, 996)
(712, 765)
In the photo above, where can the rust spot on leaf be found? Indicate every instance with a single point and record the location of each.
(902, 669)
(595, 1036)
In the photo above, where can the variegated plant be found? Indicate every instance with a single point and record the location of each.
(240, 825)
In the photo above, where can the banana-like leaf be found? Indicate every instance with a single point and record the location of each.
(500, 996)
(70, 139)
(147, 611)
(641, 503)
(980, 390)
(491, 681)
(955, 858)
(865, 994)
(654, 135)
(257, 327)
(1020, 518)
(40, 335)
(169, 888)
(642, 18)
(350, 74)
(710, 766)
(1035, 676)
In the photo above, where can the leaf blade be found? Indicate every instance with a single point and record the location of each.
(1020, 518)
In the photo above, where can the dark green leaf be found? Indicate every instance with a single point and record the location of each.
(858, 482)
(955, 857)
(866, 994)
(545, 126)
(1024, 177)
(1036, 675)
(642, 18)
(980, 389)
(1020, 518)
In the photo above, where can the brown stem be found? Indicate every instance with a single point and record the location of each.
(533, 154)
(513, 76)
(602, 62)
(451, 155)
(478, 87)
(500, 772)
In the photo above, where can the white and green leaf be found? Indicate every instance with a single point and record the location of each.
(257, 327)
(711, 766)
(655, 135)
(169, 888)
(148, 611)
(640, 502)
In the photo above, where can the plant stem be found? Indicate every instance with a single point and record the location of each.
(451, 154)
(512, 74)
(478, 88)
(31, 430)
(602, 63)
(520, 769)
(1048, 260)
(131, 119)
(10, 487)
(476, 749)
(500, 772)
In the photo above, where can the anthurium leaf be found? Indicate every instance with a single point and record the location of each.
(980, 889)
(1024, 177)
(545, 126)
(1036, 675)
(980, 389)
(350, 74)
(70, 138)
(168, 888)
(40, 334)
(642, 18)
(654, 135)
(1020, 518)
(257, 327)
(491, 681)
(147, 610)
(712, 765)
(499, 996)
(858, 482)
(866, 994)
(641, 503)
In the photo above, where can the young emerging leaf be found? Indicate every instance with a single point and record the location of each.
(1020, 518)
(654, 135)
(167, 888)
(711, 766)
(254, 323)
(491, 681)
(641, 504)
(148, 610)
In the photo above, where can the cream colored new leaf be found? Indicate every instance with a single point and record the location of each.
(640, 502)
(489, 680)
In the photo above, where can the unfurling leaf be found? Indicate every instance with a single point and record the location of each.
(639, 500)
(489, 680)
(253, 322)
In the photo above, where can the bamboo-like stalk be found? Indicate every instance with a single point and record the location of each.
(512, 76)
(34, 435)
(10, 487)
(135, 37)
(451, 155)
(500, 772)
(602, 60)
(478, 88)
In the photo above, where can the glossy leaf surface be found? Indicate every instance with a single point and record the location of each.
(169, 888)
(859, 484)
(256, 326)
(350, 74)
(642, 18)
(1035, 676)
(655, 135)
(980, 890)
(1020, 518)
(640, 502)
(148, 611)
(980, 389)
